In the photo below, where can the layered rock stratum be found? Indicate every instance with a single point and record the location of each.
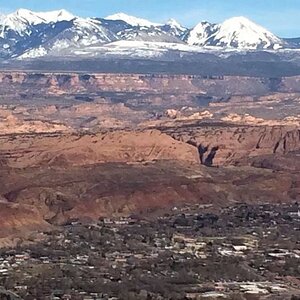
(50, 179)
(77, 146)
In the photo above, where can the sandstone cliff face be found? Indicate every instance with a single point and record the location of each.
(236, 144)
(50, 179)
(289, 142)
(75, 149)
(60, 83)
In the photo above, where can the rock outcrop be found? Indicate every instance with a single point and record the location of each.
(236, 144)
(76, 149)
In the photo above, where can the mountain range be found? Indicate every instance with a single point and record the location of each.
(27, 34)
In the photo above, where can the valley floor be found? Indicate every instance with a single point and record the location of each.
(192, 252)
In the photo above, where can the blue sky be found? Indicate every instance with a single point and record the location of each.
(280, 16)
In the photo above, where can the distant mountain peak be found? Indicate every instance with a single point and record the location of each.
(22, 11)
(174, 28)
(131, 20)
(56, 15)
(28, 34)
(239, 19)
(175, 23)
(34, 18)
(21, 20)
(240, 32)
(200, 33)
(236, 32)
(63, 12)
(242, 23)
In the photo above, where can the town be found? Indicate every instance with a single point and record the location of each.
(192, 252)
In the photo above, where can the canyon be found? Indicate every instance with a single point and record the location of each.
(52, 178)
(79, 146)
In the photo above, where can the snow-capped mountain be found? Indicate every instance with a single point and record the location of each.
(24, 29)
(21, 20)
(237, 32)
(172, 27)
(200, 34)
(76, 33)
(27, 34)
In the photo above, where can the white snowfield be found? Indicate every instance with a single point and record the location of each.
(133, 21)
(132, 37)
(130, 49)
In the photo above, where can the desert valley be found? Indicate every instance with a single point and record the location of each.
(150, 177)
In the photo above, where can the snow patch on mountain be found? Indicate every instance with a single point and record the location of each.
(131, 20)
(159, 46)
(34, 53)
(56, 16)
(136, 49)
